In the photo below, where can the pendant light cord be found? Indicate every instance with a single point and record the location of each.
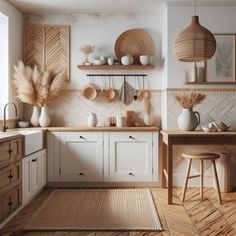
(195, 6)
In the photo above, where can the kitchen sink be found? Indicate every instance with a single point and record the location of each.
(32, 141)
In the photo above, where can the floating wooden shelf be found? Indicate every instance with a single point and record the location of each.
(206, 82)
(116, 67)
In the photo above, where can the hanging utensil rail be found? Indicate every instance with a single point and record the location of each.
(113, 75)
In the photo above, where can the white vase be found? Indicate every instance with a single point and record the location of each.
(188, 120)
(92, 120)
(34, 120)
(44, 119)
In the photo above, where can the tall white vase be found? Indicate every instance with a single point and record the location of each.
(44, 119)
(188, 119)
(34, 120)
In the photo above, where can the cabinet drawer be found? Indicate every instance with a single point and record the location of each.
(16, 149)
(82, 136)
(5, 157)
(9, 202)
(131, 136)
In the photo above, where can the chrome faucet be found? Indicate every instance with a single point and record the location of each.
(4, 128)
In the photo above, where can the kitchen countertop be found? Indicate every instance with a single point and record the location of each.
(5, 136)
(98, 128)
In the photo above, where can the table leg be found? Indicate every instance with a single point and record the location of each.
(170, 172)
(164, 164)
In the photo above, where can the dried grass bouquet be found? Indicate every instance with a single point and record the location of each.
(87, 49)
(190, 100)
(35, 87)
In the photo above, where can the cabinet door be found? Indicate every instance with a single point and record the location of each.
(35, 172)
(5, 154)
(15, 198)
(43, 168)
(26, 178)
(82, 156)
(5, 205)
(131, 156)
(16, 149)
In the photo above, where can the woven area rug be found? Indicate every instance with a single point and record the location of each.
(97, 209)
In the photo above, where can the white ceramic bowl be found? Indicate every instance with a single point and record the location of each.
(146, 59)
(97, 62)
(23, 124)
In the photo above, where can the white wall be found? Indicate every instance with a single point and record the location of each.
(218, 19)
(102, 30)
(15, 44)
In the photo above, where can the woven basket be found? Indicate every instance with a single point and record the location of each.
(89, 92)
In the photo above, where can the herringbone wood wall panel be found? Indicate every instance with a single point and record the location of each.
(48, 47)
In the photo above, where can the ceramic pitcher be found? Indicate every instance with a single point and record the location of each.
(92, 119)
(188, 120)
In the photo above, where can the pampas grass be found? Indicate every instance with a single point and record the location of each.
(35, 87)
(191, 100)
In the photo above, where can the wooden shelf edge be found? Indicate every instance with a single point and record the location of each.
(210, 83)
(116, 67)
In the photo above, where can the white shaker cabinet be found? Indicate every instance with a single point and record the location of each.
(33, 174)
(131, 156)
(81, 156)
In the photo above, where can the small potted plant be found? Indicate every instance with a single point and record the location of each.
(189, 119)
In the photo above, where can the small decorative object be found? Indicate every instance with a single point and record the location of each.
(200, 74)
(127, 60)
(195, 43)
(92, 119)
(120, 121)
(87, 49)
(23, 124)
(129, 118)
(189, 119)
(146, 59)
(44, 119)
(112, 121)
(194, 72)
(218, 126)
(221, 68)
(103, 60)
(37, 88)
(147, 118)
(89, 91)
(97, 62)
(111, 61)
(34, 120)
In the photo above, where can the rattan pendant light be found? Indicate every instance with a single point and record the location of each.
(195, 43)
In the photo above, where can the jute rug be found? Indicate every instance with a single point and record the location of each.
(97, 209)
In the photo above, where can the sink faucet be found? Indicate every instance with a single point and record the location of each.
(4, 128)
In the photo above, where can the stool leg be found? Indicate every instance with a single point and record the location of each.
(216, 180)
(186, 179)
(201, 179)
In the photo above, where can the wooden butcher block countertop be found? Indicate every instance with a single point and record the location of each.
(5, 136)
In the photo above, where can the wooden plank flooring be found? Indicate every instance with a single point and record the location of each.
(193, 217)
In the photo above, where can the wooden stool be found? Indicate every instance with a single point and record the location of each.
(201, 156)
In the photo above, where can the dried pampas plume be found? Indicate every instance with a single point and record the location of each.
(36, 88)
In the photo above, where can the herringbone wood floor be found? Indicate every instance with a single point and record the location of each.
(193, 217)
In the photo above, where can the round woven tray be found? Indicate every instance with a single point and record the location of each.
(135, 42)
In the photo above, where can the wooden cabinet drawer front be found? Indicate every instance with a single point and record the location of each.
(10, 174)
(131, 136)
(5, 157)
(16, 149)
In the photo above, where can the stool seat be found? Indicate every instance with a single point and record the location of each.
(201, 155)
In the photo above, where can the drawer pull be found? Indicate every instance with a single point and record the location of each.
(82, 174)
(10, 203)
(82, 137)
(10, 151)
(10, 176)
(131, 174)
(131, 137)
(34, 160)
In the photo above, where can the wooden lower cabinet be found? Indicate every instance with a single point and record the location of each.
(10, 177)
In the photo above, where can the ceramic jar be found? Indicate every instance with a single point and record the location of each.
(44, 119)
(111, 61)
(127, 60)
(92, 120)
(120, 121)
(188, 120)
(34, 120)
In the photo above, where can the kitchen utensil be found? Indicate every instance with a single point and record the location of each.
(112, 121)
(89, 91)
(126, 93)
(143, 93)
(135, 92)
(110, 93)
(146, 59)
(135, 42)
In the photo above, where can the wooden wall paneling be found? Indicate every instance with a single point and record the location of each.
(48, 47)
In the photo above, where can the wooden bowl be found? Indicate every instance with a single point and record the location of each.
(89, 92)
(110, 93)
